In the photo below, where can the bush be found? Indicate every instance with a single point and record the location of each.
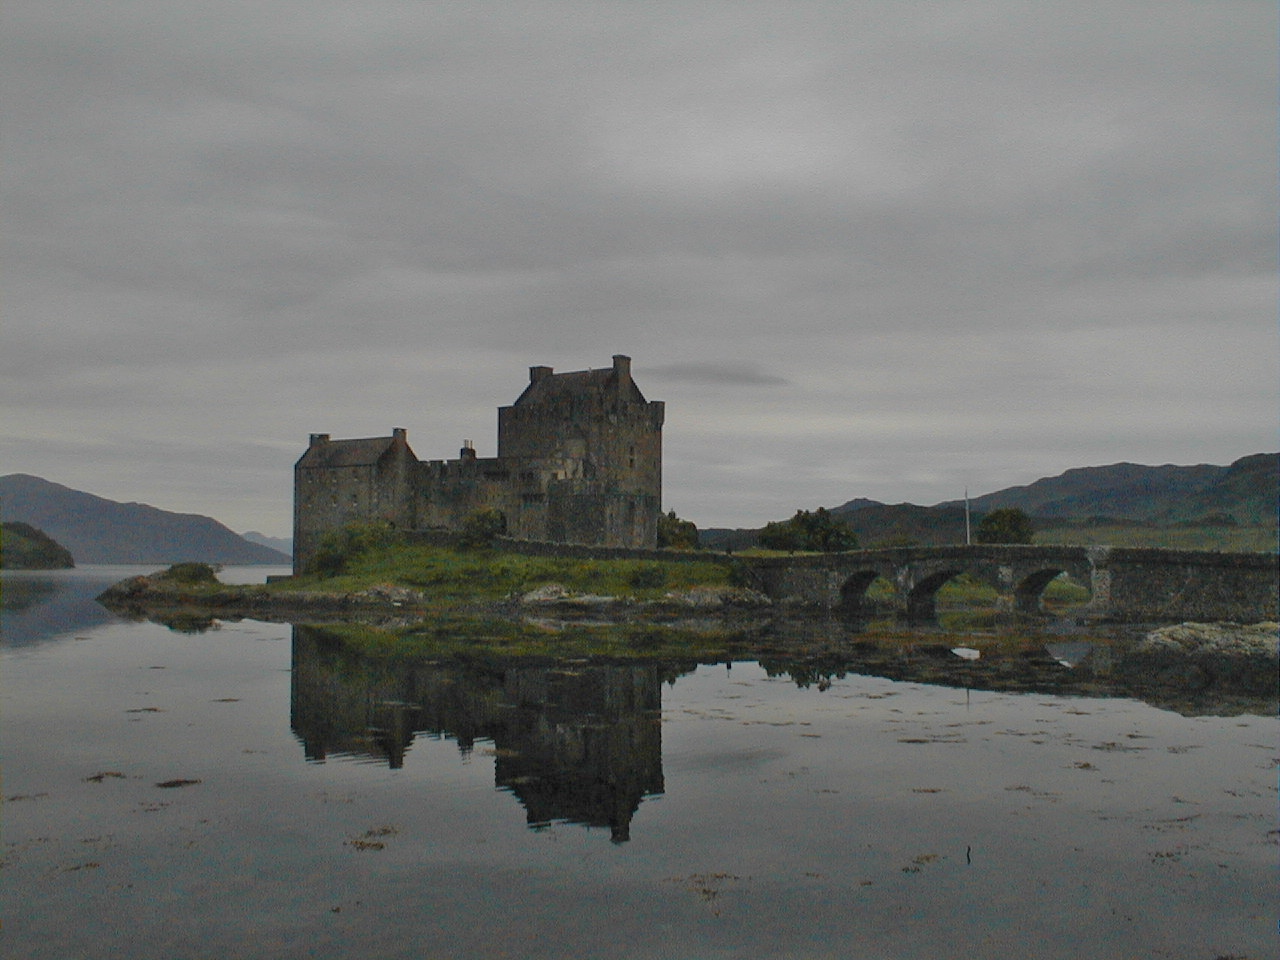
(338, 548)
(191, 573)
(479, 528)
(1006, 525)
(676, 534)
(818, 530)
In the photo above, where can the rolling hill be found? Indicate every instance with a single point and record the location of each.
(1090, 504)
(97, 530)
(1246, 491)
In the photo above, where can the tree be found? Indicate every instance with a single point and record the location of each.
(675, 533)
(817, 530)
(1006, 525)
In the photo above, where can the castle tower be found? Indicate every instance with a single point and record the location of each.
(600, 442)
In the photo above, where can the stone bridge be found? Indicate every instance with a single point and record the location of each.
(1125, 584)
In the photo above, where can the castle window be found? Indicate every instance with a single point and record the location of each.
(632, 458)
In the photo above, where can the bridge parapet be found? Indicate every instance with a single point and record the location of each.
(1175, 585)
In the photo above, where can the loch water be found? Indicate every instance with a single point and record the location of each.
(254, 790)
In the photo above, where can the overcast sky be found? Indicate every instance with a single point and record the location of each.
(861, 249)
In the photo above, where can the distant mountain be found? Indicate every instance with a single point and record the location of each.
(282, 544)
(1246, 491)
(97, 530)
(24, 547)
(887, 525)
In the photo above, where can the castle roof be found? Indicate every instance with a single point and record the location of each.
(324, 452)
(546, 387)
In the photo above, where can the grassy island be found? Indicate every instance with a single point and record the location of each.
(433, 580)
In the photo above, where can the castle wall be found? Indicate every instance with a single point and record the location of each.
(579, 461)
(584, 513)
(448, 491)
(328, 495)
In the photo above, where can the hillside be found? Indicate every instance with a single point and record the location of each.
(97, 530)
(282, 544)
(1191, 507)
(24, 547)
(886, 525)
(1245, 491)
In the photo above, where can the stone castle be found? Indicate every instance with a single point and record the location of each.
(579, 461)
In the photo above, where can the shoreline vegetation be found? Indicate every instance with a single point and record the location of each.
(485, 608)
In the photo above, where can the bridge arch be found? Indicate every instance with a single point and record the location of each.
(922, 595)
(853, 591)
(1027, 592)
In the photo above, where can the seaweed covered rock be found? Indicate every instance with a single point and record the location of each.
(1196, 656)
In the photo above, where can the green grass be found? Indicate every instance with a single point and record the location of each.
(485, 574)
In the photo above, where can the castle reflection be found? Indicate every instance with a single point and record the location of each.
(573, 742)
(581, 741)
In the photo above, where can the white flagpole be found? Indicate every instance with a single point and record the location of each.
(968, 539)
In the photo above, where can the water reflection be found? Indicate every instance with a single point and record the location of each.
(799, 808)
(39, 605)
(580, 740)
(573, 742)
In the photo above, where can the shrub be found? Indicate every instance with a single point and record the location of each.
(1006, 525)
(817, 530)
(191, 573)
(338, 548)
(676, 534)
(479, 528)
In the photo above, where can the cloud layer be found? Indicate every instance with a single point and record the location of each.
(861, 249)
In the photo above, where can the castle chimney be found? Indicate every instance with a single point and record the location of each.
(318, 438)
(399, 433)
(468, 451)
(622, 372)
(538, 373)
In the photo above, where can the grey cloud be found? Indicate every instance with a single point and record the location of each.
(946, 225)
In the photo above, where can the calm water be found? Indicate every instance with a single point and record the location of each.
(344, 808)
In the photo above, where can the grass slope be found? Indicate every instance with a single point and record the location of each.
(449, 574)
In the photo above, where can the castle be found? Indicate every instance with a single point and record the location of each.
(579, 461)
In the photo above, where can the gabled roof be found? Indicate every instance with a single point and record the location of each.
(347, 453)
(578, 383)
